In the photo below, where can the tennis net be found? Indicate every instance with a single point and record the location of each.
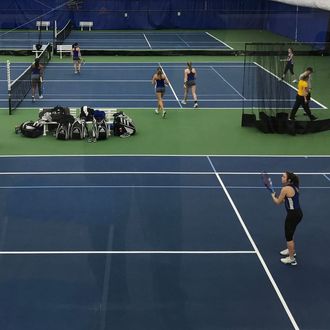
(20, 87)
(64, 33)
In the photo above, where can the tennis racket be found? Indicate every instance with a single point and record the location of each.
(267, 181)
(82, 61)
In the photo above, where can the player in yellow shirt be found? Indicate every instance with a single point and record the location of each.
(302, 98)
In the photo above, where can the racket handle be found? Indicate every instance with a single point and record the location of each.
(271, 189)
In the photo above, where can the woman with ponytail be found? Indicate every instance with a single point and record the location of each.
(189, 82)
(289, 195)
(159, 81)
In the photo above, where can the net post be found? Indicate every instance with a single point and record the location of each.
(54, 36)
(9, 86)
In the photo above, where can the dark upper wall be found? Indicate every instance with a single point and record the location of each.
(141, 14)
(301, 24)
(306, 25)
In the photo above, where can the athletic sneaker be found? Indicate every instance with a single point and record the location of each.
(294, 81)
(183, 102)
(196, 105)
(41, 97)
(312, 117)
(285, 253)
(164, 114)
(156, 111)
(289, 261)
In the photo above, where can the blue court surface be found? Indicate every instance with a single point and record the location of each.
(152, 40)
(160, 242)
(24, 39)
(128, 85)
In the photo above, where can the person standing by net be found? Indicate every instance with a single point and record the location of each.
(36, 78)
(76, 57)
(189, 82)
(302, 99)
(289, 65)
(159, 80)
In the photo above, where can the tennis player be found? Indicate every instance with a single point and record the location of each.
(302, 99)
(76, 56)
(289, 65)
(159, 80)
(289, 195)
(308, 73)
(189, 82)
(36, 78)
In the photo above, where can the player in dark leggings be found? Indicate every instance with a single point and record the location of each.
(289, 195)
(76, 57)
(289, 65)
(36, 78)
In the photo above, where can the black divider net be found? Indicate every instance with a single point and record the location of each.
(64, 33)
(20, 87)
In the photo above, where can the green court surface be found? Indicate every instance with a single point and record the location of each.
(184, 132)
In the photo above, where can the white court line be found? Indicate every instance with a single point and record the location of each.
(136, 64)
(326, 176)
(106, 279)
(262, 261)
(212, 36)
(146, 173)
(109, 187)
(148, 100)
(146, 39)
(105, 172)
(97, 80)
(123, 252)
(147, 187)
(227, 82)
(169, 82)
(200, 66)
(183, 40)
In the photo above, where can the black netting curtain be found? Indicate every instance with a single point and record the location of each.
(265, 86)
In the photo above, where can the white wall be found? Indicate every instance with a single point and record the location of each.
(321, 4)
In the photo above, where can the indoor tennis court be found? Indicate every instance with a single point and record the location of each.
(170, 228)
(161, 242)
